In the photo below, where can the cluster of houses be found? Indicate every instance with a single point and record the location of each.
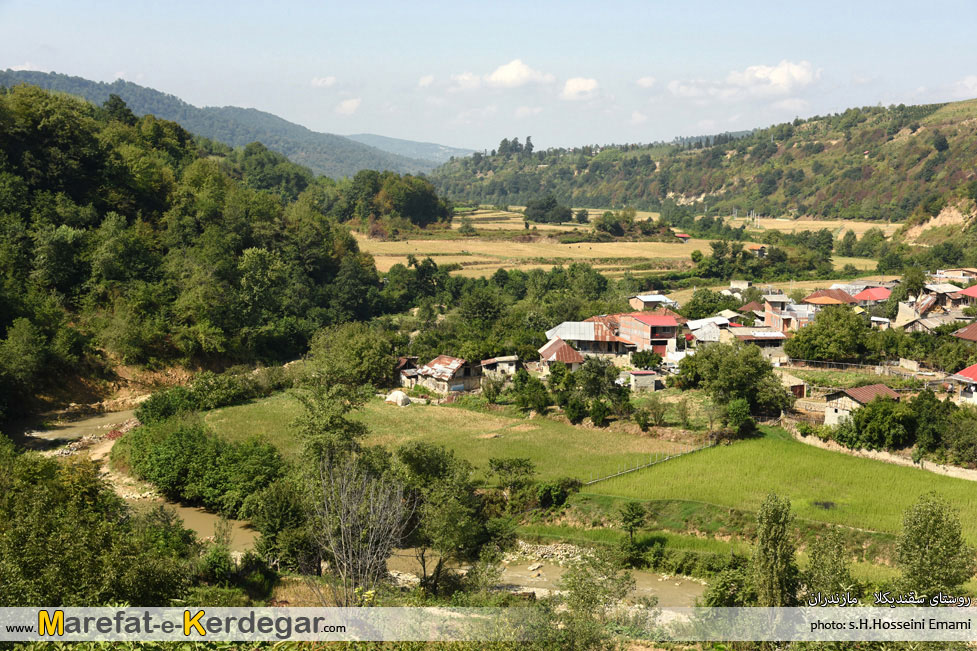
(655, 325)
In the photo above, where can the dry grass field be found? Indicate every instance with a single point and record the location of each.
(839, 226)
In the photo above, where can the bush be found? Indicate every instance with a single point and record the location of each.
(556, 492)
(739, 418)
(575, 410)
(643, 418)
(599, 411)
(207, 391)
(656, 409)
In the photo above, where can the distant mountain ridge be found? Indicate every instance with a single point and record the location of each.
(427, 151)
(323, 153)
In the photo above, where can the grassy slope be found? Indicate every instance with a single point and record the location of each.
(558, 449)
(865, 493)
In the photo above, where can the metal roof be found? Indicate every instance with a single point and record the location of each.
(655, 320)
(868, 393)
(873, 294)
(943, 288)
(557, 350)
(829, 297)
(698, 323)
(653, 298)
(968, 333)
(584, 331)
(968, 374)
(442, 367)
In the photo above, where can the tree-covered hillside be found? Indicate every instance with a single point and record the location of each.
(871, 163)
(125, 238)
(324, 153)
(425, 151)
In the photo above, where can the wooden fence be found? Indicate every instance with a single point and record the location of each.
(653, 460)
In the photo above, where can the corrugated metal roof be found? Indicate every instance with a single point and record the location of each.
(654, 320)
(969, 333)
(584, 331)
(926, 304)
(970, 291)
(868, 393)
(557, 350)
(698, 323)
(442, 367)
(829, 297)
(942, 288)
(873, 294)
(653, 298)
(969, 373)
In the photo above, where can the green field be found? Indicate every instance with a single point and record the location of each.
(558, 449)
(852, 491)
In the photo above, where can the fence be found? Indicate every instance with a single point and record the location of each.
(653, 460)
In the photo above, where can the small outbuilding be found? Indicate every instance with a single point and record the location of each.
(842, 403)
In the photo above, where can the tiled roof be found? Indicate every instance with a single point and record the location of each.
(868, 393)
(829, 297)
(968, 333)
(557, 350)
(872, 294)
(752, 306)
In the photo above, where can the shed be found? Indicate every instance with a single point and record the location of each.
(842, 403)
(646, 381)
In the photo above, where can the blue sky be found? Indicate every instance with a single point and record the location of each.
(468, 74)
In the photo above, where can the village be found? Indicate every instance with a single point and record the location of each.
(767, 321)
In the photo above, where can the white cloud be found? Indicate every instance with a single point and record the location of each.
(323, 82)
(528, 111)
(515, 74)
(27, 65)
(465, 81)
(783, 78)
(577, 88)
(646, 82)
(755, 81)
(966, 87)
(425, 81)
(637, 117)
(348, 106)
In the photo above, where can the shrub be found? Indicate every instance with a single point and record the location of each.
(643, 418)
(599, 411)
(656, 409)
(575, 410)
(739, 418)
(556, 492)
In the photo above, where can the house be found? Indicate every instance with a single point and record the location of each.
(649, 331)
(591, 338)
(967, 333)
(758, 250)
(445, 374)
(789, 319)
(752, 306)
(645, 381)
(707, 333)
(769, 340)
(796, 386)
(841, 404)
(969, 295)
(501, 366)
(823, 297)
(731, 316)
(557, 350)
(740, 285)
(685, 237)
(929, 324)
(963, 275)
(776, 301)
(967, 379)
(943, 293)
(872, 296)
(880, 323)
(651, 301)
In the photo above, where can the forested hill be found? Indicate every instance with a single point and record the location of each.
(126, 239)
(324, 153)
(869, 163)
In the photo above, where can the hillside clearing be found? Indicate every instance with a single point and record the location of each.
(823, 486)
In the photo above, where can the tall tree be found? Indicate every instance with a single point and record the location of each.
(775, 574)
(932, 551)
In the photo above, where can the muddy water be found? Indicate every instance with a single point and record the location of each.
(670, 591)
(202, 522)
(62, 432)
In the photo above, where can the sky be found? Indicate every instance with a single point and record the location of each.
(468, 74)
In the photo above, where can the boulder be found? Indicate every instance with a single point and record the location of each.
(398, 398)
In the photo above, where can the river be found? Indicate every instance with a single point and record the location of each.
(543, 578)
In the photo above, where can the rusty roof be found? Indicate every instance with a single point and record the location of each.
(442, 367)
(557, 350)
(829, 297)
(968, 333)
(870, 392)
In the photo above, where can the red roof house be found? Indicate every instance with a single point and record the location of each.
(873, 295)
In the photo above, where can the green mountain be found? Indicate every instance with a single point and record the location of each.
(323, 153)
(871, 163)
(427, 151)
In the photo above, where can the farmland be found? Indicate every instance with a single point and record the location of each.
(557, 448)
(823, 486)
